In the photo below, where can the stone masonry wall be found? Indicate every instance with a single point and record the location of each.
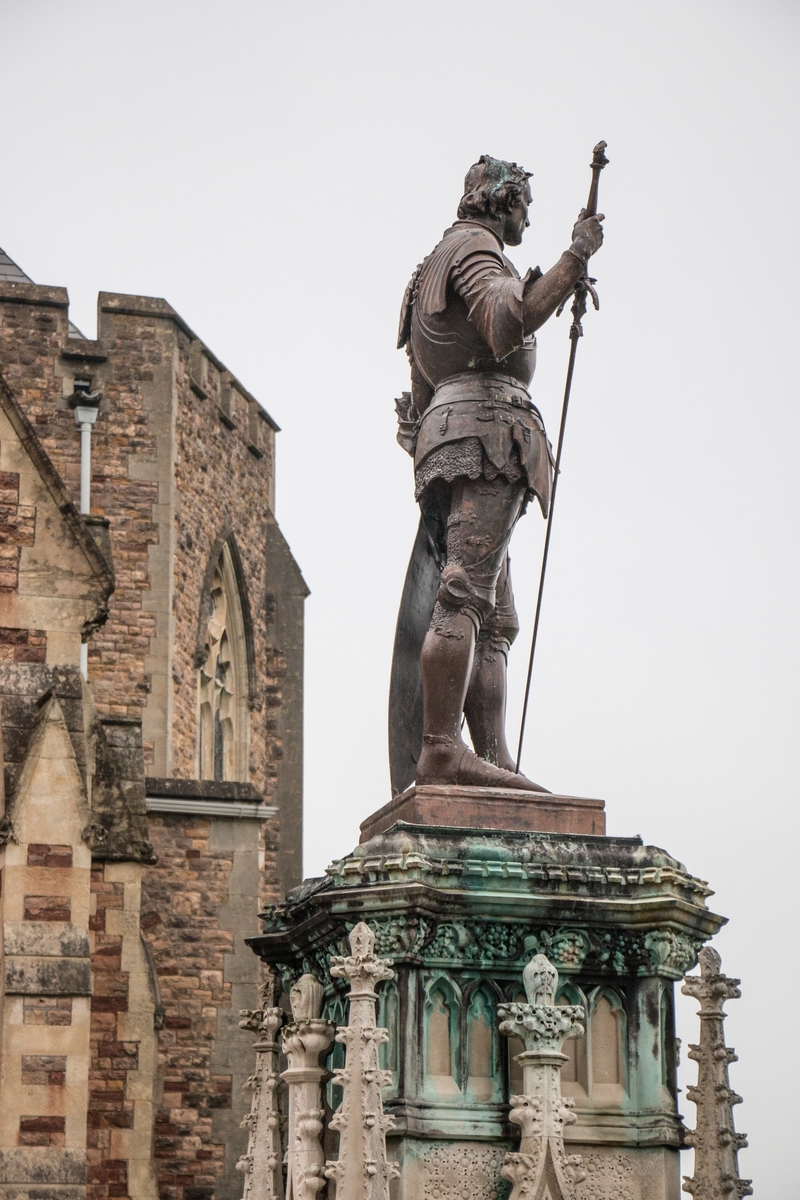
(182, 896)
(123, 1036)
(223, 476)
(17, 529)
(220, 481)
(40, 364)
(182, 458)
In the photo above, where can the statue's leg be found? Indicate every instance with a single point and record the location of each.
(485, 705)
(481, 517)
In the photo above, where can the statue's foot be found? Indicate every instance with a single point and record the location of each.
(448, 760)
(508, 764)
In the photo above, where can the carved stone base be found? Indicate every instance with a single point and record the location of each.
(461, 912)
(454, 1170)
(489, 808)
(615, 1173)
(450, 1170)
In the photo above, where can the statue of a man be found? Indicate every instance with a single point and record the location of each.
(480, 452)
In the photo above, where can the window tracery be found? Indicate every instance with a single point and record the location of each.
(223, 733)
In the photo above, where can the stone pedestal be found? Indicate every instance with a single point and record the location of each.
(460, 911)
(488, 808)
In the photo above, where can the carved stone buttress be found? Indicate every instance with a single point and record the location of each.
(305, 1040)
(541, 1167)
(714, 1139)
(262, 1164)
(363, 1170)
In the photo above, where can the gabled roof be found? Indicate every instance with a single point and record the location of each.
(9, 270)
(11, 273)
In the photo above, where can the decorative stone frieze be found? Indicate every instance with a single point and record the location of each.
(304, 1041)
(714, 1139)
(363, 1170)
(541, 1167)
(262, 1164)
(485, 944)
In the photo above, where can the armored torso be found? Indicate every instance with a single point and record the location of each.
(471, 362)
(463, 311)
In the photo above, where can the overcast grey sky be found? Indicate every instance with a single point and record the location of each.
(277, 170)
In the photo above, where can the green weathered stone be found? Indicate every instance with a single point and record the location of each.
(461, 912)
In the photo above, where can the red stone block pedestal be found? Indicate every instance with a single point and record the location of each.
(489, 808)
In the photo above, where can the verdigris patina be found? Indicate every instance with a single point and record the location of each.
(460, 912)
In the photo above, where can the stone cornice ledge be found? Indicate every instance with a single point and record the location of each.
(211, 808)
(207, 797)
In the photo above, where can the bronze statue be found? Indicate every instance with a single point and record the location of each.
(468, 324)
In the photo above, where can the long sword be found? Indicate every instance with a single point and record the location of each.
(583, 288)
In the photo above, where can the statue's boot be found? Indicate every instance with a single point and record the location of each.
(485, 709)
(446, 667)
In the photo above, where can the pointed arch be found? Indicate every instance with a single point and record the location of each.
(225, 663)
(227, 540)
(575, 1072)
(481, 1043)
(442, 1076)
(608, 1039)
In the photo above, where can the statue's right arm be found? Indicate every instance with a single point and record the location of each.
(542, 296)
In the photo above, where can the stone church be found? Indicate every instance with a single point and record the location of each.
(151, 649)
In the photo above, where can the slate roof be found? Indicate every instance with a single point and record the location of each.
(9, 270)
(14, 274)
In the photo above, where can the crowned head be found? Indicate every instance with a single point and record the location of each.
(497, 192)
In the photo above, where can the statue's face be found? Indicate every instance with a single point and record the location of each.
(515, 219)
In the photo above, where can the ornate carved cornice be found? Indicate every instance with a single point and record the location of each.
(607, 906)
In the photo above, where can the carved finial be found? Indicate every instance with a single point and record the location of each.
(709, 961)
(306, 998)
(305, 1041)
(263, 1179)
(714, 1139)
(267, 991)
(363, 1170)
(362, 940)
(540, 979)
(541, 1166)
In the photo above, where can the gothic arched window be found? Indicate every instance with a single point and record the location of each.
(224, 724)
(441, 1012)
(607, 1047)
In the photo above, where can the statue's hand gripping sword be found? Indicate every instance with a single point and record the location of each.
(583, 288)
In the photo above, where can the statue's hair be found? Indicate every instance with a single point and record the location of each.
(491, 186)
